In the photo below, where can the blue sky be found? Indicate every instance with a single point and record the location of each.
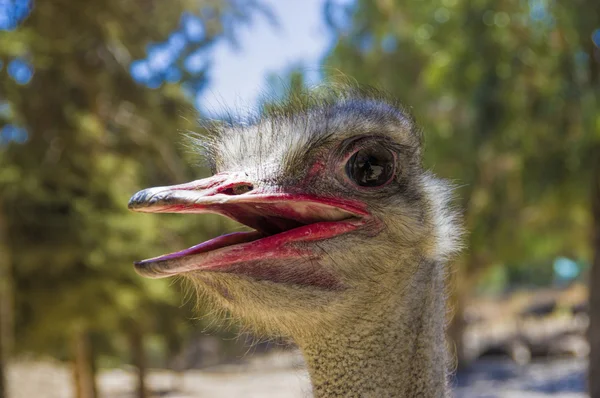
(238, 76)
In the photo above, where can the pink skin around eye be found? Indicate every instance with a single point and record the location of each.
(316, 169)
(319, 166)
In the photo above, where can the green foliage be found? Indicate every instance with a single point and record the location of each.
(508, 94)
(94, 138)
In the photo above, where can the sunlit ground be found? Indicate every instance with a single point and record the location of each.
(281, 374)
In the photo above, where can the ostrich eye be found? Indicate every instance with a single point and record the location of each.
(371, 167)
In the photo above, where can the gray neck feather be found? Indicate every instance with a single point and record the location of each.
(395, 348)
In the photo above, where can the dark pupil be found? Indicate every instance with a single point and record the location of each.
(371, 167)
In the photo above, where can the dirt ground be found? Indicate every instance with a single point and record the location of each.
(281, 375)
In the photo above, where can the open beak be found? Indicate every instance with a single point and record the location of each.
(280, 220)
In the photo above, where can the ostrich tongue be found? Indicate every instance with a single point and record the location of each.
(278, 219)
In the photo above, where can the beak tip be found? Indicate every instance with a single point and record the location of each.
(139, 199)
(133, 203)
(149, 270)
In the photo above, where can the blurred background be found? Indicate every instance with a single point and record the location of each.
(95, 95)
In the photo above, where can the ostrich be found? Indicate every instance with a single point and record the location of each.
(349, 243)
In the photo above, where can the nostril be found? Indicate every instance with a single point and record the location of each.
(238, 189)
(241, 189)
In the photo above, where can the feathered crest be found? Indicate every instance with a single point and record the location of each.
(303, 120)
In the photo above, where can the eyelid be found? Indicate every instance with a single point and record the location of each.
(353, 145)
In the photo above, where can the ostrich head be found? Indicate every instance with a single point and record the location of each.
(343, 216)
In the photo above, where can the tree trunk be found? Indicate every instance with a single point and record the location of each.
(136, 336)
(3, 387)
(6, 305)
(83, 369)
(594, 329)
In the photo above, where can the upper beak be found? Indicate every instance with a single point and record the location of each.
(235, 196)
(194, 197)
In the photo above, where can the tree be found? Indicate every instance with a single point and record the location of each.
(78, 136)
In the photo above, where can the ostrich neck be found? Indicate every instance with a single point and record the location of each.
(394, 349)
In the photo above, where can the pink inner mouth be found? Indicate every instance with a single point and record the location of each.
(280, 226)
